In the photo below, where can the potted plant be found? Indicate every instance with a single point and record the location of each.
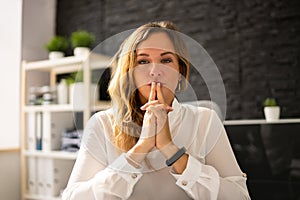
(82, 42)
(271, 109)
(57, 47)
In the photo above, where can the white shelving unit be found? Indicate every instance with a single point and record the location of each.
(60, 161)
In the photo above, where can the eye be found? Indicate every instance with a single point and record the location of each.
(143, 61)
(166, 60)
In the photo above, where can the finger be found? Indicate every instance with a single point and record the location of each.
(159, 109)
(165, 107)
(155, 103)
(150, 103)
(152, 92)
(160, 96)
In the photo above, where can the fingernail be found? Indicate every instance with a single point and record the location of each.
(153, 83)
(158, 84)
(142, 107)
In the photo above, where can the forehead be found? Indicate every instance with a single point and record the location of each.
(160, 41)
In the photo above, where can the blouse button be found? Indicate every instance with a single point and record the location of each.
(184, 183)
(134, 175)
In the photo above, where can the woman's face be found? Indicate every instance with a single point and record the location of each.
(156, 62)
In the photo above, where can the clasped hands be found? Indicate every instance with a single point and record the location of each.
(155, 130)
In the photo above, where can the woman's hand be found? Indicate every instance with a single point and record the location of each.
(147, 137)
(160, 110)
(146, 141)
(163, 139)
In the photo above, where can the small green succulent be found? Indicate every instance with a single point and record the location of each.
(270, 102)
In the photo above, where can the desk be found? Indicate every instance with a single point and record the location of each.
(267, 152)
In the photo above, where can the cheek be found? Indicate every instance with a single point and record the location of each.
(172, 80)
(173, 85)
(139, 81)
(139, 77)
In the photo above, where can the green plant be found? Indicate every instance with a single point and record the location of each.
(82, 38)
(70, 80)
(57, 43)
(270, 102)
(75, 77)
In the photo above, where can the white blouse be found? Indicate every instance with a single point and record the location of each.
(212, 172)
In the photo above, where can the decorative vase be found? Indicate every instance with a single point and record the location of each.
(62, 92)
(81, 51)
(272, 113)
(55, 55)
(76, 95)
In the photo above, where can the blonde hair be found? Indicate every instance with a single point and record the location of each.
(128, 117)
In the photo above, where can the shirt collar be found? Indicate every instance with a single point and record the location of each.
(174, 115)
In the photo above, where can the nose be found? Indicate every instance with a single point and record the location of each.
(155, 70)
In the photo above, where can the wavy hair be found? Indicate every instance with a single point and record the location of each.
(128, 117)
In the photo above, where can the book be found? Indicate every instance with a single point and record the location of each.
(31, 130)
(39, 131)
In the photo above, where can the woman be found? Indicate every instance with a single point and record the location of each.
(148, 146)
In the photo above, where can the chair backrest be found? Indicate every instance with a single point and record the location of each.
(207, 104)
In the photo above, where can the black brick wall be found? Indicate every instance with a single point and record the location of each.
(255, 44)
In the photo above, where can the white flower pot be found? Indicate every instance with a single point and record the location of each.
(55, 55)
(76, 95)
(81, 51)
(62, 92)
(272, 113)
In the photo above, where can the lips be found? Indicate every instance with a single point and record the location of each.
(150, 83)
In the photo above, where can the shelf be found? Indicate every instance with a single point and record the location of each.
(260, 121)
(51, 154)
(69, 64)
(49, 108)
(40, 197)
(99, 105)
(54, 117)
(51, 64)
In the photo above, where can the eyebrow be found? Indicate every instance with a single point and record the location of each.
(162, 54)
(168, 52)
